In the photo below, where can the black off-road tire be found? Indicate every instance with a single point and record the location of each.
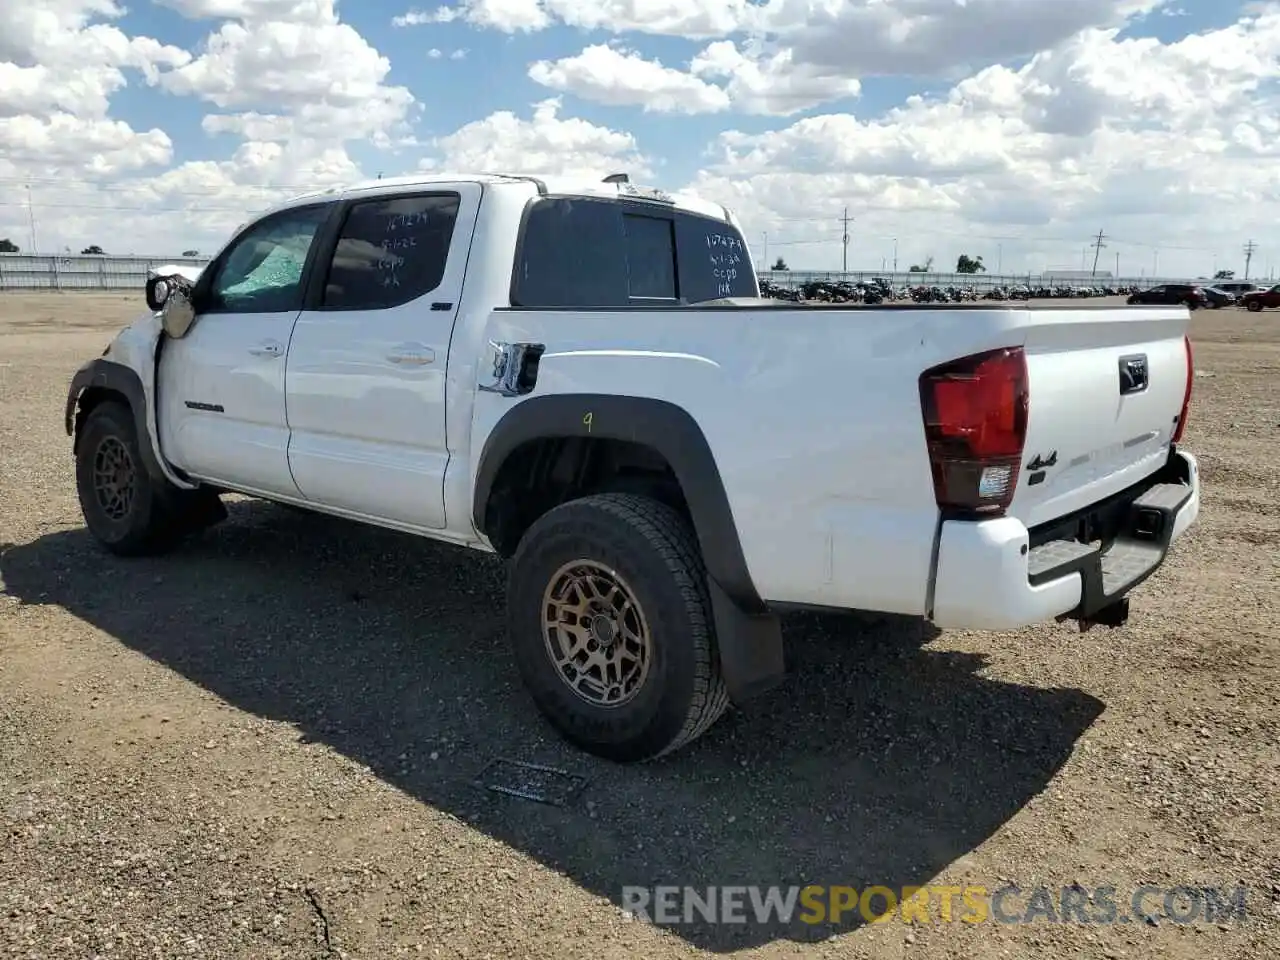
(153, 516)
(651, 548)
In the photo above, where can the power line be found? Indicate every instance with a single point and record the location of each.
(1249, 249)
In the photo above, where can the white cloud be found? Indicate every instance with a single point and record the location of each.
(544, 144)
(618, 77)
(1162, 145)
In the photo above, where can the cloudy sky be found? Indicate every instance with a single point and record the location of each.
(1010, 129)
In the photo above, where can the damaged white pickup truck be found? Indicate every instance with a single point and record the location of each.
(581, 377)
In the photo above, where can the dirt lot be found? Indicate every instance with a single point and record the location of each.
(264, 745)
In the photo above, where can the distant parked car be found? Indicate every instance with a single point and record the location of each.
(1238, 288)
(1262, 298)
(1172, 294)
(1218, 297)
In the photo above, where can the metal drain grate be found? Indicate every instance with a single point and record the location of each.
(531, 781)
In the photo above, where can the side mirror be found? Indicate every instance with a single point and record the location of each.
(158, 290)
(177, 315)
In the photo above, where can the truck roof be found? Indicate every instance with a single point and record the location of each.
(559, 185)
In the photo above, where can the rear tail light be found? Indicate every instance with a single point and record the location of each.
(975, 423)
(1186, 396)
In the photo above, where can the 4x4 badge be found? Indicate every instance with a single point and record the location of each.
(1039, 463)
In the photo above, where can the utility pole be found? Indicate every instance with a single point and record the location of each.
(844, 242)
(895, 254)
(766, 249)
(1117, 264)
(31, 215)
(1249, 249)
(1000, 259)
(1097, 249)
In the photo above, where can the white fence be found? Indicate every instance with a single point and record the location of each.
(24, 271)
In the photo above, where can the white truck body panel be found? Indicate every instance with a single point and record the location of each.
(813, 415)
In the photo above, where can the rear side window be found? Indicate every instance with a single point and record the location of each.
(578, 252)
(390, 251)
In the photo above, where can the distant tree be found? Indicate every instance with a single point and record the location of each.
(1225, 275)
(779, 264)
(926, 267)
(191, 253)
(968, 264)
(7, 245)
(92, 251)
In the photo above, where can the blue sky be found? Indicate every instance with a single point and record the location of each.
(1022, 125)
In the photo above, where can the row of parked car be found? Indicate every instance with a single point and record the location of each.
(882, 290)
(1226, 293)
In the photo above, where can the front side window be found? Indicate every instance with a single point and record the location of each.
(390, 251)
(262, 271)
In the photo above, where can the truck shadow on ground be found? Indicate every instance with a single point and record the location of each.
(879, 762)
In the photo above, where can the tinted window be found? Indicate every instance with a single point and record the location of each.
(391, 251)
(571, 255)
(713, 260)
(603, 253)
(261, 271)
(651, 256)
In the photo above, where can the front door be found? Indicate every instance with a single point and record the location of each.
(365, 382)
(221, 400)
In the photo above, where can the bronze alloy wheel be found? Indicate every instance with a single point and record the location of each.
(596, 634)
(114, 478)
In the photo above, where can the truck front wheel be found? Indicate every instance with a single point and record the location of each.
(611, 625)
(124, 507)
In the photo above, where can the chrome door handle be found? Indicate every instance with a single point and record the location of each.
(412, 355)
(269, 348)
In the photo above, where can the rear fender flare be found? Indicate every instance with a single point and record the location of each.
(749, 634)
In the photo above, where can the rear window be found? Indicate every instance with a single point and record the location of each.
(580, 252)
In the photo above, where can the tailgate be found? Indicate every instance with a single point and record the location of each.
(1106, 389)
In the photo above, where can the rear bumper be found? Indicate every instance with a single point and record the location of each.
(998, 575)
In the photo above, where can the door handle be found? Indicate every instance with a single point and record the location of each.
(412, 355)
(268, 348)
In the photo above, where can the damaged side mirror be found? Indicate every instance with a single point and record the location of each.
(171, 297)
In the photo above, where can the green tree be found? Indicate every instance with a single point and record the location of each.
(1225, 275)
(92, 251)
(7, 245)
(191, 253)
(780, 264)
(968, 264)
(926, 267)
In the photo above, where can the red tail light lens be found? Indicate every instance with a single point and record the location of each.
(1186, 396)
(975, 424)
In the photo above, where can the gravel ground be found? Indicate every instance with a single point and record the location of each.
(265, 744)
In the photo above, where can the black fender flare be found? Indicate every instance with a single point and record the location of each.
(749, 634)
(106, 375)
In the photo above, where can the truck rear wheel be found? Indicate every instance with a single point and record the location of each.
(611, 626)
(124, 508)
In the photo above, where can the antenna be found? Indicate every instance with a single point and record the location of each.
(617, 178)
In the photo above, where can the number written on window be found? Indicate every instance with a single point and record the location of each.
(726, 260)
(390, 251)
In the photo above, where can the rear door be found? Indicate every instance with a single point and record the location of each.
(221, 388)
(1106, 389)
(365, 381)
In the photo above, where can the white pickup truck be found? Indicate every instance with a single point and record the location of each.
(582, 378)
